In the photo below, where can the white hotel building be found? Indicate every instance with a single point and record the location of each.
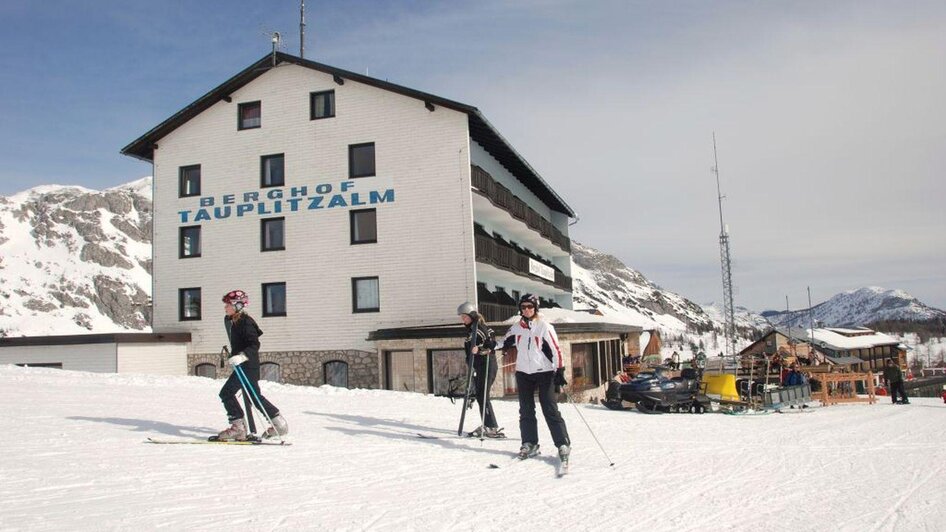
(348, 208)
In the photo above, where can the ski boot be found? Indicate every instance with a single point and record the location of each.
(235, 432)
(528, 450)
(495, 433)
(563, 453)
(280, 428)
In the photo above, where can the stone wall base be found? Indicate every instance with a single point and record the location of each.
(305, 367)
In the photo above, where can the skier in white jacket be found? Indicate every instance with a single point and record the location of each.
(539, 367)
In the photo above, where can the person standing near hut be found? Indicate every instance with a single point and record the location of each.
(893, 379)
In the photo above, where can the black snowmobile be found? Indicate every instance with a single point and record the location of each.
(654, 393)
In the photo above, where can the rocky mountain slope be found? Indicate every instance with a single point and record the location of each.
(75, 260)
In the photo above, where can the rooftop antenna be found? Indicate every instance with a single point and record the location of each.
(791, 340)
(302, 29)
(811, 326)
(275, 38)
(726, 263)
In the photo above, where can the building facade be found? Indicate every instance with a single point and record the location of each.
(341, 204)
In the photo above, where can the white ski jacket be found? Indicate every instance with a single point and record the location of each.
(537, 345)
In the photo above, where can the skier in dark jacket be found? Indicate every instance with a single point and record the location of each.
(893, 379)
(481, 359)
(244, 334)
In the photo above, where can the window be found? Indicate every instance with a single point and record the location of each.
(189, 246)
(365, 294)
(321, 104)
(364, 226)
(269, 371)
(188, 304)
(274, 299)
(361, 160)
(336, 373)
(250, 115)
(272, 234)
(189, 181)
(271, 171)
(206, 370)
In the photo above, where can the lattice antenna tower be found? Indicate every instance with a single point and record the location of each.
(726, 265)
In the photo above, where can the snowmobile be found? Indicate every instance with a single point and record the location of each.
(654, 393)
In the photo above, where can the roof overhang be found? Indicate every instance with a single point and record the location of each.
(80, 339)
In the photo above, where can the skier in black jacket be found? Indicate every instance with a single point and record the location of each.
(483, 366)
(893, 377)
(244, 334)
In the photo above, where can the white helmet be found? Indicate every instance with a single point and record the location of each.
(466, 308)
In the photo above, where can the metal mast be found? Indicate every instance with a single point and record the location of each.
(302, 29)
(726, 264)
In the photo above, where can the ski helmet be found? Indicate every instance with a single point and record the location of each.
(237, 298)
(531, 299)
(466, 308)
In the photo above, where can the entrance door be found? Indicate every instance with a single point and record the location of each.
(399, 371)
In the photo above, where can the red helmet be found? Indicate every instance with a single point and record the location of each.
(237, 298)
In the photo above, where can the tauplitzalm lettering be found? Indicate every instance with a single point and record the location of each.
(286, 199)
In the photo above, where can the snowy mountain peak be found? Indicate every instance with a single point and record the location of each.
(75, 260)
(860, 307)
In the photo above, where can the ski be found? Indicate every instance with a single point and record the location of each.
(198, 441)
(513, 461)
(469, 382)
(427, 436)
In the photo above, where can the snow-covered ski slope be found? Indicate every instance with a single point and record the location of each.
(73, 458)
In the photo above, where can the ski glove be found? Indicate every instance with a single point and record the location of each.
(237, 359)
(560, 378)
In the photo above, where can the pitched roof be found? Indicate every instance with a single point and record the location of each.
(481, 131)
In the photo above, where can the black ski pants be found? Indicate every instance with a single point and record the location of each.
(544, 384)
(897, 388)
(483, 367)
(229, 392)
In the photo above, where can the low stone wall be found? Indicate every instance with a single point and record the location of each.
(306, 367)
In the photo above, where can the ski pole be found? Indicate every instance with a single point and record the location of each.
(259, 404)
(569, 397)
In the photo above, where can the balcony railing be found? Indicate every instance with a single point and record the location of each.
(496, 312)
(503, 198)
(490, 251)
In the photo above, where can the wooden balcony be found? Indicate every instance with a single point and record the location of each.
(491, 251)
(503, 198)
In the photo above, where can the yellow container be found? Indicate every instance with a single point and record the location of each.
(722, 387)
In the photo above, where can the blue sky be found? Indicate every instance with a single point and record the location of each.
(830, 116)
